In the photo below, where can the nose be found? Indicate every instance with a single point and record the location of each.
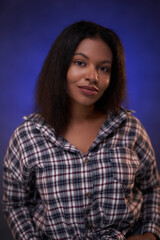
(92, 74)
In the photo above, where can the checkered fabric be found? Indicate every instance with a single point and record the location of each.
(52, 191)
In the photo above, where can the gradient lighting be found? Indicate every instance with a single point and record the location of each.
(28, 29)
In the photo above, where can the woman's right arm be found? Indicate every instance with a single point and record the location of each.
(17, 194)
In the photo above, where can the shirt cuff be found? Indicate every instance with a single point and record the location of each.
(152, 228)
(113, 235)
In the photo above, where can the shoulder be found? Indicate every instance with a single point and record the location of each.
(138, 132)
(133, 129)
(27, 129)
(133, 123)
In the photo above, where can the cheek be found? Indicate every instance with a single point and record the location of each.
(104, 86)
(72, 79)
(72, 75)
(69, 76)
(106, 83)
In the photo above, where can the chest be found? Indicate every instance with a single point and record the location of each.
(81, 138)
(102, 171)
(83, 135)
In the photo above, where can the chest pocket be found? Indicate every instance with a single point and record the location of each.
(125, 166)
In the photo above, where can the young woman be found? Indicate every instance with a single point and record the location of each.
(82, 167)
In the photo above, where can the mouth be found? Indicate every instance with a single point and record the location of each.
(87, 90)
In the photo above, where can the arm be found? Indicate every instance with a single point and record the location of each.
(148, 181)
(17, 195)
(145, 236)
(113, 234)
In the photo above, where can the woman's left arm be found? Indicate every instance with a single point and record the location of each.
(148, 181)
(145, 236)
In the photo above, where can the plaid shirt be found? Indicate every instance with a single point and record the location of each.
(52, 191)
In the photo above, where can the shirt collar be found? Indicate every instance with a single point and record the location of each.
(113, 121)
(46, 130)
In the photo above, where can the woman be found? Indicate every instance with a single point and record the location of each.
(82, 167)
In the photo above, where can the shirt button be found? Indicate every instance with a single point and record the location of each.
(88, 194)
(85, 160)
(88, 225)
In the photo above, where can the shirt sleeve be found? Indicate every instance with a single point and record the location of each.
(148, 181)
(113, 234)
(17, 195)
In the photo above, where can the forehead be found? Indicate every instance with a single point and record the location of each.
(95, 48)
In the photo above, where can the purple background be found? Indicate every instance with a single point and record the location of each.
(28, 28)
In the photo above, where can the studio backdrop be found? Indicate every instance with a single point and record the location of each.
(27, 31)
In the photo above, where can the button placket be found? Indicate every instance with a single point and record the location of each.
(87, 166)
(86, 160)
(88, 194)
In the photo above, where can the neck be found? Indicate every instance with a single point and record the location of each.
(81, 113)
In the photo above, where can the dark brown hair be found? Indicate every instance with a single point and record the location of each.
(51, 97)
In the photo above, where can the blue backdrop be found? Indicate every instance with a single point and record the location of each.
(28, 28)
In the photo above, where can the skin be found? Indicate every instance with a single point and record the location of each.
(145, 236)
(90, 67)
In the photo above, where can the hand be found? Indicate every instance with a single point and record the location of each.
(145, 236)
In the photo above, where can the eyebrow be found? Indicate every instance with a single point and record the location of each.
(83, 55)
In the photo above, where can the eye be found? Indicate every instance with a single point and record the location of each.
(104, 69)
(79, 63)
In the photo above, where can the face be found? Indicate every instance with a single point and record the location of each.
(90, 71)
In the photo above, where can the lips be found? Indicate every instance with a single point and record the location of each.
(87, 90)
